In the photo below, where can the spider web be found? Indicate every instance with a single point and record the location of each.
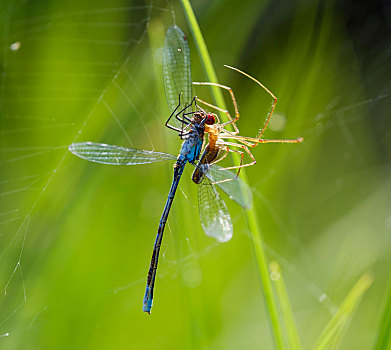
(83, 93)
(77, 91)
(59, 97)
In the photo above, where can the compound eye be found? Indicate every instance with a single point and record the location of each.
(210, 119)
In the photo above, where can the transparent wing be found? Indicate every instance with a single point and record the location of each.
(214, 215)
(236, 189)
(176, 70)
(116, 155)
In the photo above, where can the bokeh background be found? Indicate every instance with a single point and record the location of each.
(76, 238)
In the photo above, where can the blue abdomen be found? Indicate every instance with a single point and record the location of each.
(191, 149)
(195, 152)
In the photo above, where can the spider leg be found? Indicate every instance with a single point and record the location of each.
(258, 139)
(252, 141)
(219, 159)
(245, 148)
(248, 141)
(227, 149)
(231, 120)
(267, 90)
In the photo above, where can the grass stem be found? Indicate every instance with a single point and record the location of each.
(251, 213)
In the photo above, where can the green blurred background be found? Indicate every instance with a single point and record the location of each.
(76, 238)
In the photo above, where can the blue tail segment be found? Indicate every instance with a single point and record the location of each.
(147, 300)
(190, 152)
(148, 297)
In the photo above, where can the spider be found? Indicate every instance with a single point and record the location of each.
(218, 147)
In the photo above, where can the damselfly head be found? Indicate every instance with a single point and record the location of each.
(204, 118)
(198, 117)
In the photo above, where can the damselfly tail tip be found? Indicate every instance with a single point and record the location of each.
(147, 302)
(147, 308)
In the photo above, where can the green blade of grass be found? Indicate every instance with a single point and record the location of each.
(203, 53)
(286, 309)
(332, 334)
(250, 213)
(384, 337)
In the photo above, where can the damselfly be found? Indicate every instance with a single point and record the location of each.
(215, 218)
(214, 215)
